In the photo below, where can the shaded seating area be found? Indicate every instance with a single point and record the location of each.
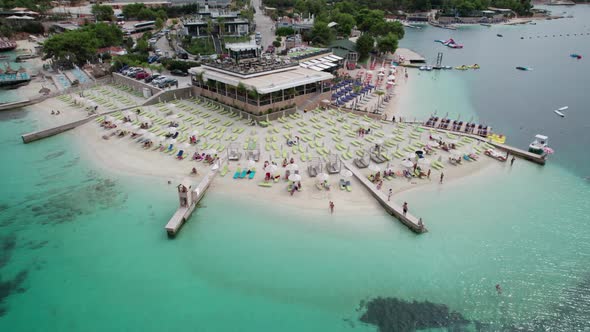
(334, 164)
(233, 152)
(363, 161)
(314, 167)
(378, 154)
(252, 152)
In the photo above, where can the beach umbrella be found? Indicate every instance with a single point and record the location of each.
(172, 141)
(433, 144)
(142, 132)
(391, 78)
(292, 167)
(251, 163)
(172, 130)
(271, 168)
(294, 177)
(407, 163)
(211, 152)
(345, 173)
(135, 127)
(375, 168)
(322, 176)
(194, 133)
(410, 155)
(160, 139)
(381, 74)
(379, 141)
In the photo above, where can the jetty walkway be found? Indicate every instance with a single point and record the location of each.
(392, 208)
(189, 200)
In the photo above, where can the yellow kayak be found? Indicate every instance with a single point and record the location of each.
(497, 138)
(462, 67)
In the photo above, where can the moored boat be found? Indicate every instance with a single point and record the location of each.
(524, 68)
(539, 145)
(7, 45)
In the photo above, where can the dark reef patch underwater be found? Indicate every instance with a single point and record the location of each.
(395, 315)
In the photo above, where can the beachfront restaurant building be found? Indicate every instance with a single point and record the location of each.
(261, 88)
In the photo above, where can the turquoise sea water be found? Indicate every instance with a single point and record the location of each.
(83, 250)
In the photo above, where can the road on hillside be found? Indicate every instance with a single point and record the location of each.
(264, 24)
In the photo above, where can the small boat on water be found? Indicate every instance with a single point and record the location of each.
(539, 145)
(576, 56)
(524, 68)
(499, 35)
(560, 110)
(426, 68)
(6, 45)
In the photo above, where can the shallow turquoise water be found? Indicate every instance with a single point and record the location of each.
(96, 257)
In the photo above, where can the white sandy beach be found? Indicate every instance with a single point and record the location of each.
(124, 156)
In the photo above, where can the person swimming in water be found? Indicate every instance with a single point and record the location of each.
(498, 289)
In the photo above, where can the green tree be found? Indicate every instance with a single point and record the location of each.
(285, 31)
(346, 7)
(80, 45)
(321, 34)
(132, 10)
(159, 23)
(364, 45)
(142, 46)
(102, 13)
(345, 23)
(366, 19)
(387, 43)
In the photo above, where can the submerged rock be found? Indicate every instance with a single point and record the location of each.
(395, 315)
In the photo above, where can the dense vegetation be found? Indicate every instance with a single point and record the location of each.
(80, 45)
(347, 15)
(202, 46)
(103, 12)
(522, 7)
(139, 11)
(35, 5)
(35, 28)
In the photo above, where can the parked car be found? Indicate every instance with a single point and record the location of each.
(140, 71)
(141, 75)
(157, 80)
(151, 77)
(132, 72)
(167, 82)
(178, 72)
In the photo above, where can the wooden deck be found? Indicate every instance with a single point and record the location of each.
(392, 208)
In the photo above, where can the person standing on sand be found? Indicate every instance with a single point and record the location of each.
(331, 207)
(512, 161)
(405, 208)
(389, 194)
(428, 175)
(442, 175)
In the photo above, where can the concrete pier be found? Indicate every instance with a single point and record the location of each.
(536, 158)
(41, 134)
(392, 208)
(188, 202)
